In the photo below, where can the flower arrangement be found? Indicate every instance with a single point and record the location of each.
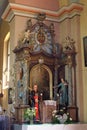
(61, 117)
(29, 114)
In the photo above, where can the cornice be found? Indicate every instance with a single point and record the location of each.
(57, 16)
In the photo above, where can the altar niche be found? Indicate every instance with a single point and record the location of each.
(42, 76)
(44, 61)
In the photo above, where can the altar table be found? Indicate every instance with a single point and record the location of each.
(55, 127)
(51, 127)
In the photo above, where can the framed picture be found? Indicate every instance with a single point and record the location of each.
(85, 49)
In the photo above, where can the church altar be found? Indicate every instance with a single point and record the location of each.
(51, 127)
(40, 60)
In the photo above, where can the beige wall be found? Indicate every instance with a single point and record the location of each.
(83, 25)
(4, 29)
(46, 4)
(63, 3)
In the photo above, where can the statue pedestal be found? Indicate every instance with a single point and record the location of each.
(73, 111)
(20, 113)
(46, 109)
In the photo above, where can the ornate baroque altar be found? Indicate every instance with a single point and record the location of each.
(40, 60)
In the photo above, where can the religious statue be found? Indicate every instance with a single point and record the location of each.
(69, 44)
(35, 101)
(63, 92)
(26, 36)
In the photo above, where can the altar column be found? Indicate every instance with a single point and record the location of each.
(55, 82)
(69, 51)
(26, 82)
(72, 108)
(70, 89)
(71, 78)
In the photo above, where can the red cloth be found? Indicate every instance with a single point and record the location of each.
(36, 107)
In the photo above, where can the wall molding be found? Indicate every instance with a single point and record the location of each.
(56, 16)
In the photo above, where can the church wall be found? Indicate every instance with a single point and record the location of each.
(16, 26)
(20, 26)
(49, 5)
(73, 1)
(12, 58)
(11, 1)
(79, 80)
(1, 54)
(64, 27)
(4, 29)
(63, 3)
(83, 25)
(75, 33)
(66, 2)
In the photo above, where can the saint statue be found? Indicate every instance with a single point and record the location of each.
(63, 92)
(35, 101)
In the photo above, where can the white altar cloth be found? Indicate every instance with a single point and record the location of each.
(55, 127)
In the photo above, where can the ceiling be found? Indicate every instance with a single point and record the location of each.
(3, 4)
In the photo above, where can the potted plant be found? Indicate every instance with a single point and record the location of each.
(29, 115)
(61, 117)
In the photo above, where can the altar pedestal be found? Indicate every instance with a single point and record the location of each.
(73, 111)
(20, 113)
(46, 109)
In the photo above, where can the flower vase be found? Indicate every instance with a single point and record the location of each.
(31, 121)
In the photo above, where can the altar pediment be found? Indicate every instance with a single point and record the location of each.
(38, 37)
